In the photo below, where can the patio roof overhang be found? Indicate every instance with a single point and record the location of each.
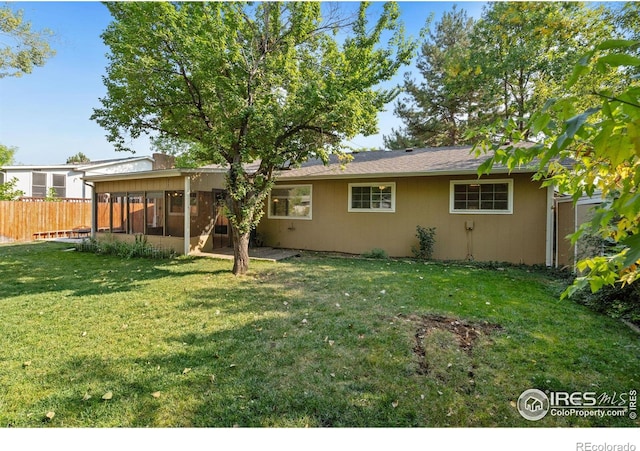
(163, 173)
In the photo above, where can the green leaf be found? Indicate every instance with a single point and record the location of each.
(620, 59)
(572, 126)
(616, 44)
(485, 167)
(579, 69)
(633, 254)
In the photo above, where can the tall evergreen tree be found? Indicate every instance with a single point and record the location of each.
(437, 110)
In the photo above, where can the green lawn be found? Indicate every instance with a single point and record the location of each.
(311, 341)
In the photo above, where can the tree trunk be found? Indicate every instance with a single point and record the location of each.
(240, 251)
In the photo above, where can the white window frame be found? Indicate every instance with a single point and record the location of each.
(350, 209)
(303, 218)
(46, 185)
(508, 211)
(58, 187)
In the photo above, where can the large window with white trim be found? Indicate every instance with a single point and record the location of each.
(481, 196)
(290, 202)
(372, 197)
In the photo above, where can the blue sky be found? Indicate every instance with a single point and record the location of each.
(46, 114)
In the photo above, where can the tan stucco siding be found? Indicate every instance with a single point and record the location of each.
(518, 237)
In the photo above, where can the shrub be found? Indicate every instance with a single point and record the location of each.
(139, 248)
(376, 253)
(426, 239)
(616, 301)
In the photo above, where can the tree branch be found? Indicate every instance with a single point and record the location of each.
(615, 99)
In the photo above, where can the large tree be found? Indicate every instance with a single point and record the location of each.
(525, 51)
(272, 82)
(602, 143)
(21, 48)
(437, 108)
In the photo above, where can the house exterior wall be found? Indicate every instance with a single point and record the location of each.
(201, 223)
(75, 187)
(569, 217)
(140, 185)
(519, 237)
(73, 180)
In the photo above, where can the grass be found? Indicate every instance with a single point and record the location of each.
(312, 341)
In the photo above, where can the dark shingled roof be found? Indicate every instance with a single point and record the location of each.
(396, 163)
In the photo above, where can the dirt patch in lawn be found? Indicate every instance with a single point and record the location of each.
(438, 335)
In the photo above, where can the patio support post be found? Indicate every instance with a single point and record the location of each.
(187, 215)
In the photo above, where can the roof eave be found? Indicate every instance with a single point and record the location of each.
(162, 173)
(462, 172)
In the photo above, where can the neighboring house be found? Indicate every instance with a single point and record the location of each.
(66, 180)
(374, 201)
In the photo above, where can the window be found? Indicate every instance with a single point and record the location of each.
(290, 202)
(135, 203)
(481, 197)
(1, 177)
(102, 213)
(119, 213)
(59, 185)
(175, 200)
(155, 213)
(38, 184)
(377, 197)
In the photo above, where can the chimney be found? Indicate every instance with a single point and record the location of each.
(163, 161)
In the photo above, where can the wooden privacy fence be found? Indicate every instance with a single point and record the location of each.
(22, 220)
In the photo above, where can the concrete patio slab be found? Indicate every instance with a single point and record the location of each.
(255, 253)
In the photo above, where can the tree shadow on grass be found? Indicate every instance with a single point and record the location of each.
(251, 375)
(31, 269)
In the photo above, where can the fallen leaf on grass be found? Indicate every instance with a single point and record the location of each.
(394, 404)
(233, 365)
(186, 370)
(332, 374)
(155, 394)
(49, 416)
(86, 397)
(513, 404)
(212, 378)
(107, 396)
(26, 364)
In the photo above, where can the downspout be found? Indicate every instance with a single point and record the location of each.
(549, 237)
(187, 215)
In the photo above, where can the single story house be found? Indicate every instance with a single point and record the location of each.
(66, 180)
(374, 201)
